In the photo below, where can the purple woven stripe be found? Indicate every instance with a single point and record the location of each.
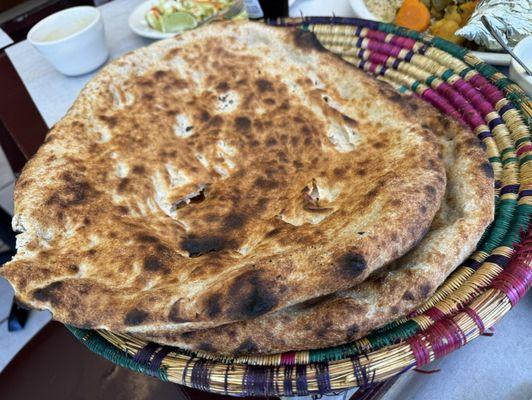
(144, 354)
(301, 380)
(378, 35)
(510, 189)
(359, 41)
(396, 63)
(484, 134)
(490, 92)
(495, 122)
(158, 359)
(226, 378)
(498, 259)
(358, 30)
(185, 370)
(524, 193)
(258, 381)
(506, 108)
(200, 375)
(287, 381)
(474, 96)
(469, 113)
(423, 49)
(441, 103)
(409, 56)
(473, 264)
(322, 377)
(363, 377)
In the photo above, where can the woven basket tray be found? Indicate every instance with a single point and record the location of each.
(479, 292)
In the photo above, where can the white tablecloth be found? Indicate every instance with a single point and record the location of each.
(498, 367)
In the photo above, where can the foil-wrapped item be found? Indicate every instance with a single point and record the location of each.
(512, 19)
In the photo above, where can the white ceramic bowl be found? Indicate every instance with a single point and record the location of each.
(523, 50)
(72, 40)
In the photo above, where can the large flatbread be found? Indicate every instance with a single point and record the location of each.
(218, 176)
(390, 293)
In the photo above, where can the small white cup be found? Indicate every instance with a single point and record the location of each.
(72, 40)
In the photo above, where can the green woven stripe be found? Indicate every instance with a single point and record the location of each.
(449, 47)
(447, 74)
(494, 160)
(394, 335)
(525, 159)
(397, 30)
(334, 353)
(504, 213)
(96, 343)
(508, 150)
(509, 160)
(415, 86)
(520, 224)
(430, 79)
(466, 71)
(519, 142)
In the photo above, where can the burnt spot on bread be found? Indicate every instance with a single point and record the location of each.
(234, 220)
(252, 296)
(154, 264)
(145, 238)
(135, 316)
(349, 120)
(175, 313)
(207, 347)
(246, 347)
(197, 246)
(425, 289)
(394, 310)
(242, 124)
(122, 185)
(352, 265)
(204, 115)
(269, 101)
(352, 331)
(49, 293)
(307, 41)
(122, 210)
(423, 209)
(273, 232)
(171, 54)
(323, 331)
(222, 86)
(488, 170)
(73, 268)
(110, 120)
(430, 190)
(74, 192)
(264, 183)
(213, 307)
(159, 74)
(264, 85)
(409, 296)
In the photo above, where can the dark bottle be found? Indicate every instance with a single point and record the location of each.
(257, 9)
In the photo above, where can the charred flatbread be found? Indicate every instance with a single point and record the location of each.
(217, 176)
(389, 294)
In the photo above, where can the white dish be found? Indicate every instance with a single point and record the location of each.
(137, 22)
(361, 11)
(523, 50)
(72, 40)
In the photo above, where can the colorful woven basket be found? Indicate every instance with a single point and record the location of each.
(472, 299)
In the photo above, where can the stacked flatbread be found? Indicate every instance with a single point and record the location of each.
(239, 189)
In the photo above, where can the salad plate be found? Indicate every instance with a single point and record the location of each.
(172, 17)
